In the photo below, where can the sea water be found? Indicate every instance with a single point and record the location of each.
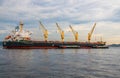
(60, 63)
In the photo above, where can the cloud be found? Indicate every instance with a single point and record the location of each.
(71, 10)
(81, 14)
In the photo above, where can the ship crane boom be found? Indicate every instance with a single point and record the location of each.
(90, 33)
(45, 31)
(74, 33)
(61, 32)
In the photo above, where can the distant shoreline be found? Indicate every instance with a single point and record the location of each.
(0, 43)
(114, 45)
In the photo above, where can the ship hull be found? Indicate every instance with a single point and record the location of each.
(50, 45)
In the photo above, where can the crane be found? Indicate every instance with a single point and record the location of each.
(74, 33)
(61, 32)
(45, 31)
(90, 33)
(21, 26)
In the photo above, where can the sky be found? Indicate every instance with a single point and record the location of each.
(80, 14)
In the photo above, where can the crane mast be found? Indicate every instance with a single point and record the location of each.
(74, 33)
(90, 33)
(21, 26)
(61, 32)
(45, 31)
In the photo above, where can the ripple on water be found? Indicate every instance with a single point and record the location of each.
(60, 63)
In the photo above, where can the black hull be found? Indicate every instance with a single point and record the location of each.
(49, 45)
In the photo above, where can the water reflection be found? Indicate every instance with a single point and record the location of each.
(20, 57)
(59, 63)
(45, 51)
(62, 51)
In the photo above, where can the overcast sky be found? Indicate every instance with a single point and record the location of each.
(81, 14)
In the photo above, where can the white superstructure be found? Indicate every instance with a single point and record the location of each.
(19, 34)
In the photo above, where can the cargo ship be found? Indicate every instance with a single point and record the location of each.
(21, 39)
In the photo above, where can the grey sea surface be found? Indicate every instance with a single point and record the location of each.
(60, 63)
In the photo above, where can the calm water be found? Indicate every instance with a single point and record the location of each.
(60, 63)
